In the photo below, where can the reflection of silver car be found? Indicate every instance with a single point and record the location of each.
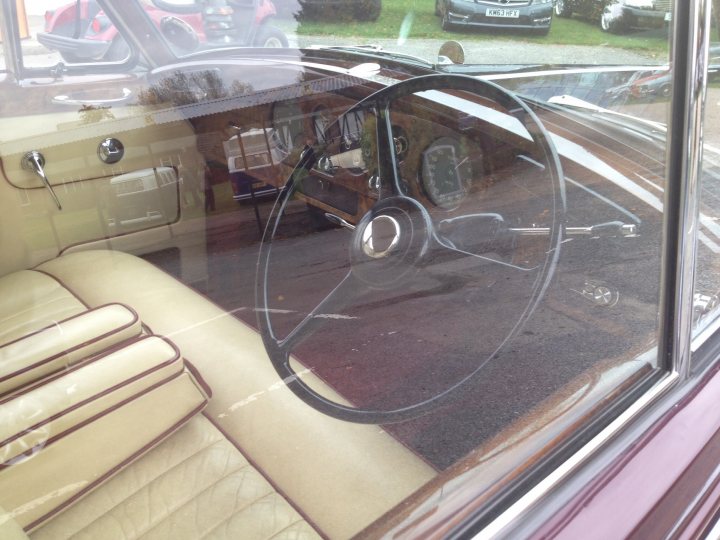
(618, 16)
(534, 15)
(657, 84)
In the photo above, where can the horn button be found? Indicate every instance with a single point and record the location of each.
(381, 236)
(389, 241)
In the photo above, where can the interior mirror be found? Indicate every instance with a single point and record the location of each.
(179, 34)
(453, 51)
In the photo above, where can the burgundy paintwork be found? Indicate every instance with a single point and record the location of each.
(666, 482)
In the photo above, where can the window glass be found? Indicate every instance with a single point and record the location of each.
(706, 298)
(443, 219)
(72, 32)
(518, 301)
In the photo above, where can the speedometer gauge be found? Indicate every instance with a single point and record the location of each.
(446, 173)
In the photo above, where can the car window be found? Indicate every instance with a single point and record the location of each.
(428, 233)
(68, 31)
(705, 296)
(411, 346)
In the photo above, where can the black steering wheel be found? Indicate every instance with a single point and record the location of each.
(401, 237)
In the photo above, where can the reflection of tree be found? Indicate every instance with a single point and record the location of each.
(90, 114)
(240, 88)
(716, 14)
(183, 88)
(358, 10)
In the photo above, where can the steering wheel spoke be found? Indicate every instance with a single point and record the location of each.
(330, 307)
(478, 235)
(387, 153)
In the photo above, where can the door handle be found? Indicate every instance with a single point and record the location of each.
(68, 100)
(34, 161)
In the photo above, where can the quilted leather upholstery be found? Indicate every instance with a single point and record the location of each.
(81, 396)
(194, 485)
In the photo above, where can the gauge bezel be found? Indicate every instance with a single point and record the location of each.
(429, 182)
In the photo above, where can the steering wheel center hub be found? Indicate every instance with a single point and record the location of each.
(381, 236)
(389, 242)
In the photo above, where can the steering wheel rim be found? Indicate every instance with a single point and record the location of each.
(280, 351)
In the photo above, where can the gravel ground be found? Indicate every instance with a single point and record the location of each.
(484, 52)
(502, 52)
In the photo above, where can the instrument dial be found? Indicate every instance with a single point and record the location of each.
(446, 173)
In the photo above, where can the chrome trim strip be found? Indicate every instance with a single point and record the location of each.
(502, 526)
(570, 71)
(714, 532)
(691, 41)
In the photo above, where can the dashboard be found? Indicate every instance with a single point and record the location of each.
(456, 153)
(441, 162)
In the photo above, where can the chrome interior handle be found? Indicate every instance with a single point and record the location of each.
(611, 228)
(34, 161)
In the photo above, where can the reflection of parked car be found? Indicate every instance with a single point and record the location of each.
(657, 84)
(142, 199)
(255, 149)
(651, 84)
(82, 32)
(535, 16)
(618, 16)
(621, 92)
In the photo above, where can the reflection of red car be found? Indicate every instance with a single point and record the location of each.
(81, 32)
(657, 84)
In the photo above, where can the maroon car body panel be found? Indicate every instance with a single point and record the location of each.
(667, 481)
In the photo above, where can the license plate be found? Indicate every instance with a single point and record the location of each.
(509, 13)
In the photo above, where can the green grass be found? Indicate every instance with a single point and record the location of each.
(426, 25)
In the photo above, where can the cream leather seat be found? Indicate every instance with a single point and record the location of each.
(257, 463)
(31, 300)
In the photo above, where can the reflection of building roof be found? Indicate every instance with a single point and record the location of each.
(266, 97)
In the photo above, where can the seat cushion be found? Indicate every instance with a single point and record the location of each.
(194, 485)
(71, 432)
(64, 343)
(343, 476)
(9, 528)
(31, 300)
